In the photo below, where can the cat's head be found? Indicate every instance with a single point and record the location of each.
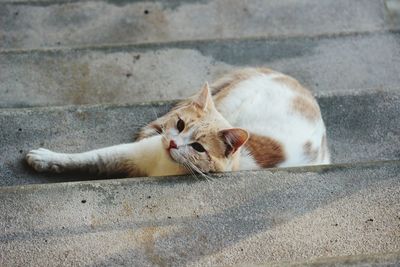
(196, 135)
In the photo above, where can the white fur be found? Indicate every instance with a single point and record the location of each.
(263, 106)
(247, 162)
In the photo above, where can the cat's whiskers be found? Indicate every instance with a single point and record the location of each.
(190, 160)
(186, 165)
(194, 159)
(195, 168)
(190, 170)
(207, 178)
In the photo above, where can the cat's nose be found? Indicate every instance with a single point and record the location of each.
(172, 144)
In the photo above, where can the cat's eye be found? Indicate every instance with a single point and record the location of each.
(198, 147)
(180, 125)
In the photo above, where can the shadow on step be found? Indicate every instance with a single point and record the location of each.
(268, 215)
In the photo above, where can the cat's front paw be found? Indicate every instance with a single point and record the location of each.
(44, 160)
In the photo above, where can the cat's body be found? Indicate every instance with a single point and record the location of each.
(277, 123)
(283, 119)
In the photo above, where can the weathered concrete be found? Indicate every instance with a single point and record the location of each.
(361, 127)
(247, 217)
(278, 216)
(129, 74)
(393, 12)
(33, 24)
(369, 260)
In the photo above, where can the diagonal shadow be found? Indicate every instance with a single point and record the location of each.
(268, 202)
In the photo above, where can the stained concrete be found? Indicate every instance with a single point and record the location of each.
(35, 24)
(361, 127)
(393, 12)
(364, 260)
(247, 217)
(129, 74)
(343, 50)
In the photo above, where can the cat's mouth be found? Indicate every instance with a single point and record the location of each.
(175, 155)
(170, 154)
(170, 149)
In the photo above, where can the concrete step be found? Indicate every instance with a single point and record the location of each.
(32, 24)
(361, 127)
(239, 218)
(393, 9)
(362, 260)
(135, 73)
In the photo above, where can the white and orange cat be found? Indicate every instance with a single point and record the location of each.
(257, 118)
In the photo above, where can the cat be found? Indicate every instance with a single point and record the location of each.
(256, 118)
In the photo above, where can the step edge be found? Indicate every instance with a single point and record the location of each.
(135, 180)
(194, 42)
(345, 260)
(349, 92)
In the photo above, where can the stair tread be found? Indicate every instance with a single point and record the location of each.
(136, 73)
(33, 24)
(253, 217)
(67, 54)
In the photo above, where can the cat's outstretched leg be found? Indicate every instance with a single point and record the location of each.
(148, 157)
(110, 160)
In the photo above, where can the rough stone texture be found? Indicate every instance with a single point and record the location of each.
(361, 127)
(247, 217)
(128, 74)
(393, 12)
(278, 216)
(34, 24)
(370, 260)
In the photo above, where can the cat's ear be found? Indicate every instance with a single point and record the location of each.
(203, 99)
(233, 138)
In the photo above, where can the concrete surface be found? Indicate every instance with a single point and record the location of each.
(347, 52)
(361, 127)
(393, 12)
(247, 217)
(34, 24)
(136, 73)
(364, 260)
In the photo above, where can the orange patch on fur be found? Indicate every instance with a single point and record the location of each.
(266, 151)
(304, 103)
(306, 107)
